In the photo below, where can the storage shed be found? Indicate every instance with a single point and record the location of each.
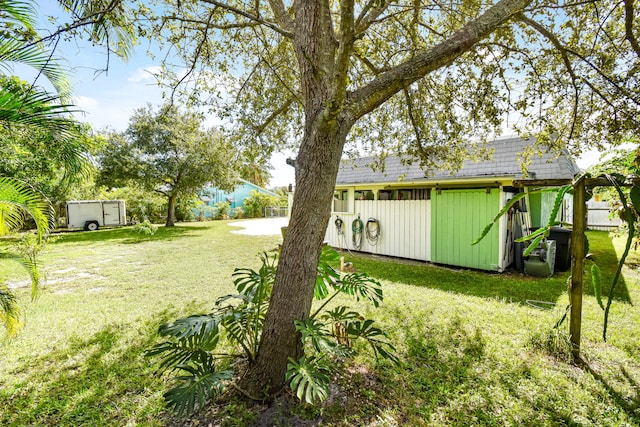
(405, 213)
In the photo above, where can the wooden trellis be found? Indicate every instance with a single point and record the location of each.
(580, 185)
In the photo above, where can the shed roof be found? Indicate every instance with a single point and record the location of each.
(504, 163)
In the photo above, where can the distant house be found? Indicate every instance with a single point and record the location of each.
(213, 195)
(436, 218)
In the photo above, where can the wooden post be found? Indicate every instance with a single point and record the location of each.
(577, 265)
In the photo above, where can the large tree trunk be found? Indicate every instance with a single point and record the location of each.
(171, 211)
(317, 165)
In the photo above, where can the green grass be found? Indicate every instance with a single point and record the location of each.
(475, 348)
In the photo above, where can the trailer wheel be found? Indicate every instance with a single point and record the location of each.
(91, 225)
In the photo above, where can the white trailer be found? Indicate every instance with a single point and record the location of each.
(92, 214)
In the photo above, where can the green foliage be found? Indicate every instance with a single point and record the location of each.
(166, 151)
(142, 205)
(145, 228)
(191, 343)
(543, 232)
(309, 378)
(222, 210)
(19, 202)
(255, 204)
(238, 212)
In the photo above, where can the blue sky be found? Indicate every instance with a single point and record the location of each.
(109, 98)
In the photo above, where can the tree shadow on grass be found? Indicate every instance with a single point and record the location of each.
(604, 255)
(451, 375)
(101, 380)
(508, 286)
(125, 234)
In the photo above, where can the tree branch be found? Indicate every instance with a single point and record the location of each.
(281, 15)
(250, 16)
(369, 97)
(346, 41)
(369, 14)
(628, 26)
(565, 59)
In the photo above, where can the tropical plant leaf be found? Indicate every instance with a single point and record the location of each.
(341, 314)
(375, 336)
(359, 285)
(501, 212)
(195, 388)
(18, 201)
(200, 330)
(327, 276)
(317, 333)
(534, 244)
(9, 311)
(257, 285)
(308, 378)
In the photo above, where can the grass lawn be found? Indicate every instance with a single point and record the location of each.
(475, 348)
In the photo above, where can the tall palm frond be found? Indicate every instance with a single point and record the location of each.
(35, 56)
(36, 108)
(9, 310)
(108, 20)
(21, 12)
(19, 201)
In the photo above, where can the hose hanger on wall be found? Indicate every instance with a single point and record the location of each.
(339, 223)
(356, 228)
(372, 231)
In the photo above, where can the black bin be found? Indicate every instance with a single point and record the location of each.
(562, 236)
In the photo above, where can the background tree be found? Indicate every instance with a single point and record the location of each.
(167, 152)
(417, 78)
(255, 168)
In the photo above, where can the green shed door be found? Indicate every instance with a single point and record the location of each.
(457, 219)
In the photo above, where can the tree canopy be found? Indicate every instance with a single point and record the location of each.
(166, 151)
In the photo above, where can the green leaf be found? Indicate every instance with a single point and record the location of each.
(360, 285)
(316, 332)
(327, 276)
(196, 388)
(502, 211)
(308, 378)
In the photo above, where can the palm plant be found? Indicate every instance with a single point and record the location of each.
(19, 202)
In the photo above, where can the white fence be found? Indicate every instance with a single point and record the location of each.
(404, 228)
(599, 216)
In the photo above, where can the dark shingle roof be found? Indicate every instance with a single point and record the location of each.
(504, 163)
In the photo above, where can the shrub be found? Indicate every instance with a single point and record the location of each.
(238, 212)
(222, 210)
(146, 228)
(256, 202)
(204, 212)
(191, 344)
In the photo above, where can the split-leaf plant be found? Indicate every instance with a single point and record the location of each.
(194, 345)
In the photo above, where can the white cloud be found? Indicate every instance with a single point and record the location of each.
(86, 103)
(146, 74)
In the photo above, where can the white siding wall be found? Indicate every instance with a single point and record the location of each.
(404, 228)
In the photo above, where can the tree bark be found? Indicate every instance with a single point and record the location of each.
(171, 211)
(317, 166)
